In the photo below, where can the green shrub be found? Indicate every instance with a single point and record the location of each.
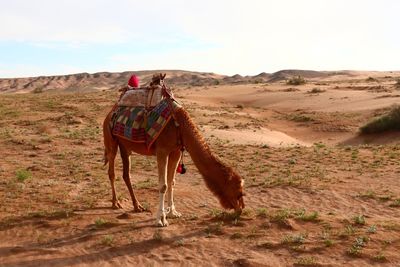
(387, 122)
(22, 175)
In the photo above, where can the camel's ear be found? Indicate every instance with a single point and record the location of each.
(163, 76)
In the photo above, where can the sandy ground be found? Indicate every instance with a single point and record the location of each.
(317, 194)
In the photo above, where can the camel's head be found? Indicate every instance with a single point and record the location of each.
(158, 79)
(234, 193)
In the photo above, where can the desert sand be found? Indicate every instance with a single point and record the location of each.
(317, 193)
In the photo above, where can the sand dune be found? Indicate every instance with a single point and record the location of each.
(261, 136)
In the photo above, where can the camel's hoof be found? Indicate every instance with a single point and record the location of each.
(174, 214)
(138, 208)
(161, 223)
(116, 205)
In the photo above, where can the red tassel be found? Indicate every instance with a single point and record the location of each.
(179, 169)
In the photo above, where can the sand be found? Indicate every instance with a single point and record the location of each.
(317, 193)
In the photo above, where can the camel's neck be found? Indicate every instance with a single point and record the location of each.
(194, 142)
(207, 164)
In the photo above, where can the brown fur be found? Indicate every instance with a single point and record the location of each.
(219, 178)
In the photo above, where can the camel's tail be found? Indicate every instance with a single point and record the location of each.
(110, 144)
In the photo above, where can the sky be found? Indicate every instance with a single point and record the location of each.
(247, 37)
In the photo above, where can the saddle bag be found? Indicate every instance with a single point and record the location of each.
(147, 97)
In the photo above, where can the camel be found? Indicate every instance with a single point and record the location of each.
(180, 131)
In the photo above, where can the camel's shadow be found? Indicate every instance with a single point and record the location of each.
(41, 251)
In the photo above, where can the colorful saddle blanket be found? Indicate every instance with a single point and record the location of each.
(137, 125)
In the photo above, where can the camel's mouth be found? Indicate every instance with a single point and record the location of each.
(239, 205)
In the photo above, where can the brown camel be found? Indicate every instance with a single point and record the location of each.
(222, 180)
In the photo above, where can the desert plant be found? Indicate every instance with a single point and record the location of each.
(215, 229)
(348, 231)
(299, 117)
(294, 239)
(146, 184)
(157, 236)
(359, 220)
(180, 242)
(329, 242)
(358, 245)
(239, 106)
(306, 261)
(261, 212)
(380, 257)
(316, 91)
(236, 235)
(372, 229)
(296, 80)
(22, 175)
(396, 203)
(99, 222)
(387, 122)
(281, 216)
(308, 217)
(38, 90)
(108, 240)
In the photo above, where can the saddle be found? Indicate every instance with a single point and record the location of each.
(142, 113)
(139, 125)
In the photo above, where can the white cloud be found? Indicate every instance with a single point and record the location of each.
(237, 36)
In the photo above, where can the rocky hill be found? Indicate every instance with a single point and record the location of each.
(109, 80)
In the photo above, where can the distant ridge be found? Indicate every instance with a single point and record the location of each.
(81, 82)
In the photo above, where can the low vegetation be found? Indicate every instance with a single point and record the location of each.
(22, 175)
(387, 122)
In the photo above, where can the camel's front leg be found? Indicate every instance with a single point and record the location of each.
(173, 161)
(162, 159)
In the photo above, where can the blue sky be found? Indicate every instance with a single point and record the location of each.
(44, 37)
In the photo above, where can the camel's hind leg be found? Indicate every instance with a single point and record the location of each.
(126, 163)
(110, 152)
(111, 175)
(173, 161)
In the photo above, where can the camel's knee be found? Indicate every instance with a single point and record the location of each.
(163, 189)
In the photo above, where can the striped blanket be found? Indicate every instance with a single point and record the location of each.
(137, 125)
